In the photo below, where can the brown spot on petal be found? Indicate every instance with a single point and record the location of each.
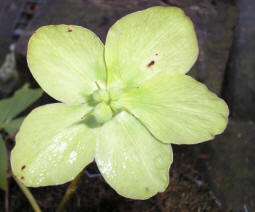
(23, 167)
(69, 29)
(151, 63)
(22, 178)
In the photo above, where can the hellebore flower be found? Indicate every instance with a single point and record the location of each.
(122, 103)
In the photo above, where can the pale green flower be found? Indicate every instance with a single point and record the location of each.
(123, 103)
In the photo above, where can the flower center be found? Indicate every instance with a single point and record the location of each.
(101, 96)
(102, 112)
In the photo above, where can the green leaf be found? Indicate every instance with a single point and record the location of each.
(53, 145)
(22, 99)
(12, 126)
(148, 42)
(3, 165)
(131, 160)
(177, 109)
(67, 61)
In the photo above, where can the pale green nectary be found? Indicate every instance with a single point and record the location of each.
(123, 104)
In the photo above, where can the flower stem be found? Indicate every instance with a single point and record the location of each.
(7, 199)
(28, 195)
(70, 192)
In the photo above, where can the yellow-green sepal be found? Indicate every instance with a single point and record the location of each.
(53, 145)
(67, 61)
(130, 159)
(148, 42)
(176, 109)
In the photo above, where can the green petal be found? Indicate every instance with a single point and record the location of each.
(53, 145)
(67, 61)
(177, 109)
(145, 43)
(131, 160)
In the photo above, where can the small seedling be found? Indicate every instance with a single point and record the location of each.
(123, 103)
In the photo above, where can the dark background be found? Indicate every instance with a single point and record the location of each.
(214, 176)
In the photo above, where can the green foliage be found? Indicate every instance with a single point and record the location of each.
(11, 107)
(122, 103)
(3, 164)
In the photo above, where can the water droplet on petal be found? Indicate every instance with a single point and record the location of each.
(72, 157)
